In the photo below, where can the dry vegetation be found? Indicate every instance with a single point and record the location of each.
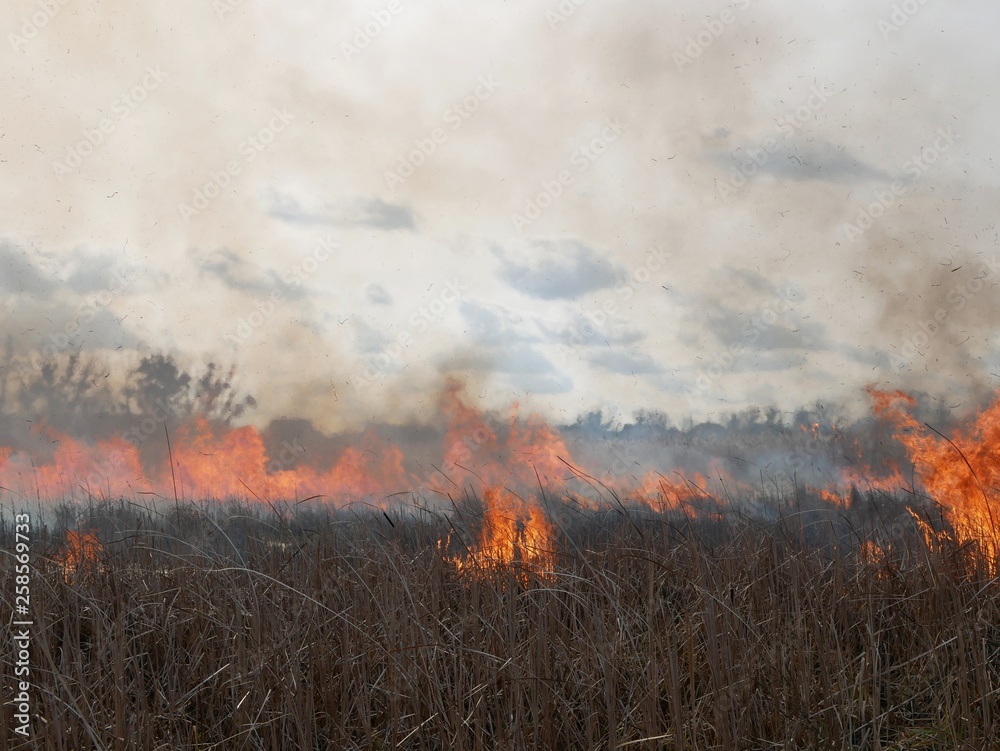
(235, 628)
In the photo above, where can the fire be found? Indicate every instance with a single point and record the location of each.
(961, 472)
(833, 497)
(871, 553)
(209, 461)
(515, 528)
(671, 492)
(509, 461)
(80, 554)
(515, 531)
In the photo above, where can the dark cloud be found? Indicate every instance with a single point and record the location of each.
(559, 270)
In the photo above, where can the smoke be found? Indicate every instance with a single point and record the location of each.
(751, 143)
(85, 397)
(937, 325)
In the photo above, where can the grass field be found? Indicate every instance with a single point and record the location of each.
(241, 627)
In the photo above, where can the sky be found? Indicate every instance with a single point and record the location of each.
(689, 207)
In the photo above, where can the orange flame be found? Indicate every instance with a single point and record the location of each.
(80, 554)
(833, 497)
(667, 493)
(961, 472)
(515, 532)
(504, 459)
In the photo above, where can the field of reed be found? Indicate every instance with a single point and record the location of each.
(242, 626)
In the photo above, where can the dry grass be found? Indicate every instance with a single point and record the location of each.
(329, 631)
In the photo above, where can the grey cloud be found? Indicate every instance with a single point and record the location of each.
(494, 325)
(625, 363)
(800, 159)
(521, 364)
(767, 361)
(377, 295)
(381, 215)
(95, 272)
(361, 212)
(585, 331)
(506, 343)
(749, 329)
(562, 270)
(368, 339)
(238, 274)
(20, 274)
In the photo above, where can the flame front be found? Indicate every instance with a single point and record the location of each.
(508, 462)
(961, 472)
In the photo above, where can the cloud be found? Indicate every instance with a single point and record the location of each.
(20, 274)
(377, 295)
(528, 299)
(368, 339)
(358, 212)
(521, 365)
(766, 328)
(494, 324)
(381, 215)
(813, 159)
(62, 306)
(239, 274)
(624, 362)
(559, 270)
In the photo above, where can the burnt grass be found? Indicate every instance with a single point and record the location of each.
(257, 626)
